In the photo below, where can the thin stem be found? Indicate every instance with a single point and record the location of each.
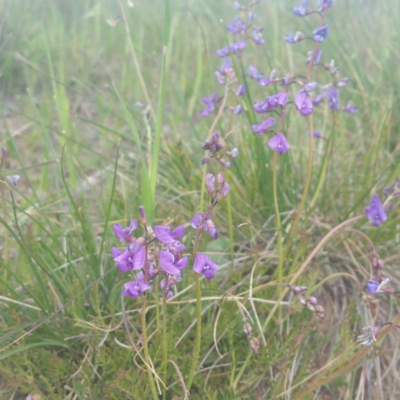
(164, 340)
(146, 349)
(197, 343)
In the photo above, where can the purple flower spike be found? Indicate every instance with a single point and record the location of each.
(136, 288)
(332, 95)
(279, 143)
(376, 213)
(203, 265)
(132, 258)
(321, 33)
(241, 90)
(303, 104)
(237, 47)
(301, 10)
(164, 235)
(264, 127)
(125, 233)
(224, 52)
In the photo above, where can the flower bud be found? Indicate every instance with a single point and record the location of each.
(142, 215)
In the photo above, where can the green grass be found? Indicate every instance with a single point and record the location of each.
(90, 148)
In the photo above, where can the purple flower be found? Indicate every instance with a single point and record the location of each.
(167, 283)
(224, 52)
(321, 33)
(226, 66)
(310, 87)
(376, 213)
(373, 287)
(317, 134)
(208, 224)
(370, 336)
(237, 26)
(350, 109)
(208, 110)
(297, 37)
(324, 4)
(209, 102)
(332, 95)
(236, 47)
(278, 99)
(125, 233)
(170, 264)
(210, 182)
(213, 144)
(301, 10)
(264, 127)
(318, 99)
(238, 109)
(303, 104)
(343, 82)
(164, 235)
(257, 38)
(254, 73)
(132, 258)
(136, 288)
(241, 90)
(317, 57)
(13, 179)
(279, 143)
(203, 265)
(262, 107)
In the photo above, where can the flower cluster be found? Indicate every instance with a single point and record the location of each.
(215, 146)
(310, 302)
(141, 256)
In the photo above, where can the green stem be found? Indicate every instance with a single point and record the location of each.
(305, 190)
(197, 343)
(164, 341)
(146, 349)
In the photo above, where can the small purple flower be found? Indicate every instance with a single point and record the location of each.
(278, 99)
(213, 143)
(133, 258)
(343, 82)
(170, 264)
(317, 134)
(136, 288)
(264, 127)
(350, 109)
(321, 33)
(324, 4)
(297, 37)
(303, 104)
(301, 10)
(279, 143)
(376, 213)
(238, 109)
(237, 26)
(237, 47)
(203, 265)
(224, 52)
(125, 233)
(207, 226)
(310, 87)
(262, 107)
(210, 182)
(332, 95)
(317, 57)
(370, 336)
(372, 287)
(13, 179)
(208, 110)
(257, 38)
(226, 66)
(318, 99)
(241, 90)
(164, 235)
(254, 73)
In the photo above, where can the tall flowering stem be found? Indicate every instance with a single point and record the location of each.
(310, 153)
(197, 343)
